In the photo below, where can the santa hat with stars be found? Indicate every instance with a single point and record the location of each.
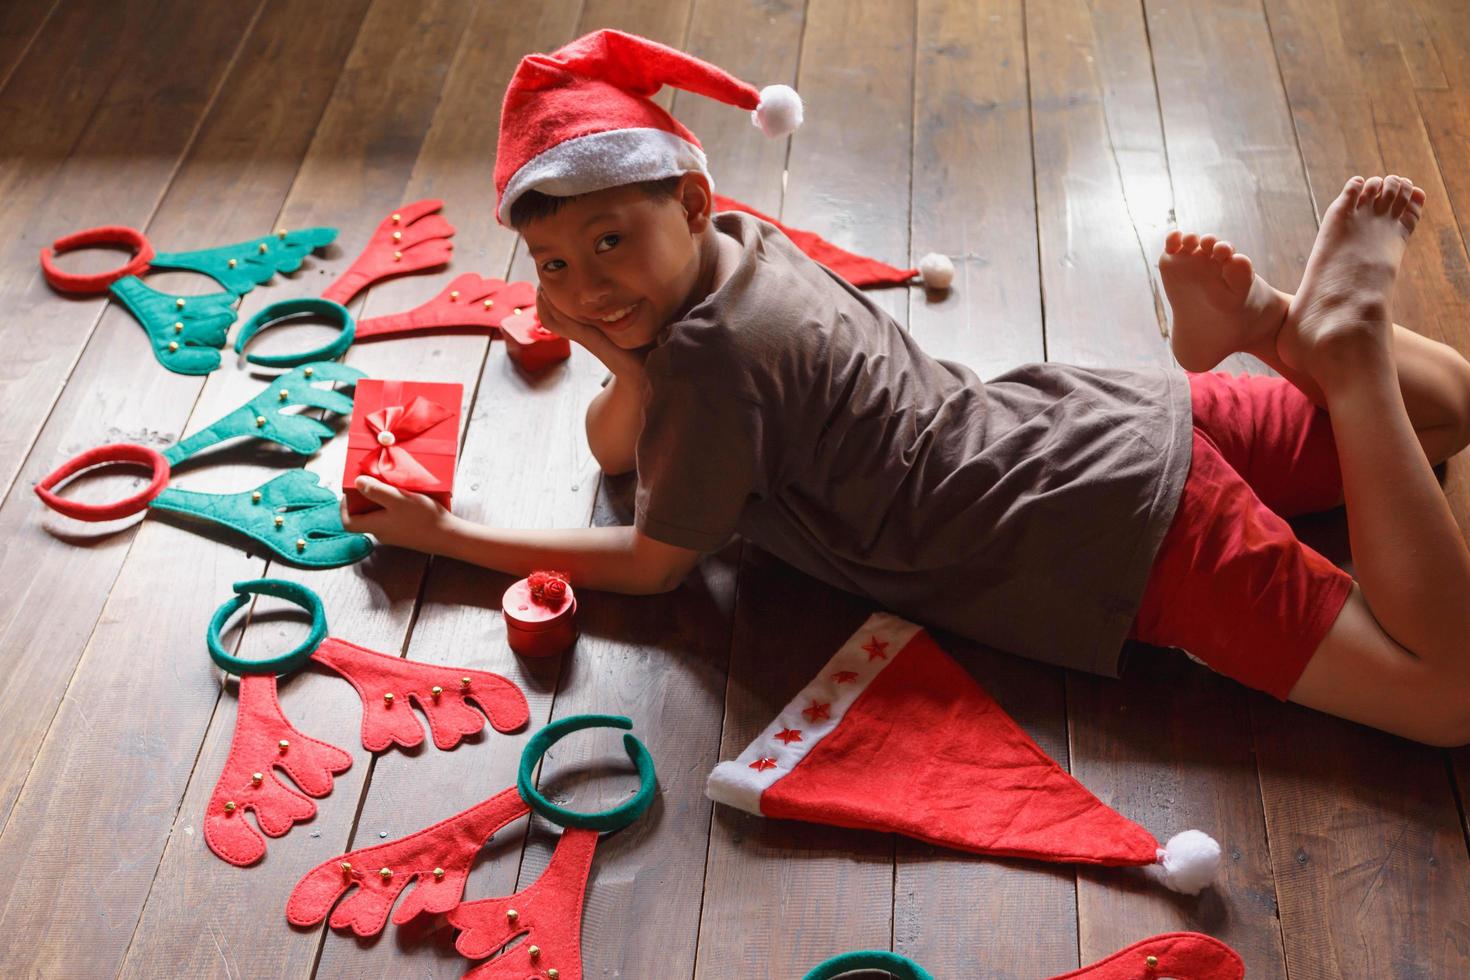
(893, 735)
(583, 119)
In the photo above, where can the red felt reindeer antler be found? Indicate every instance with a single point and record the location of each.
(1183, 955)
(469, 301)
(438, 858)
(548, 914)
(444, 694)
(264, 741)
(413, 238)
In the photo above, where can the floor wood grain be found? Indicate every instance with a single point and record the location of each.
(1048, 145)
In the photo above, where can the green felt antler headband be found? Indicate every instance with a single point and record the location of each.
(293, 516)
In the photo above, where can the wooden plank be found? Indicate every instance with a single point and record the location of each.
(142, 684)
(971, 104)
(1444, 107)
(93, 159)
(1170, 747)
(972, 195)
(393, 80)
(662, 660)
(1232, 149)
(1103, 201)
(20, 22)
(515, 419)
(782, 896)
(205, 206)
(1438, 31)
(1370, 852)
(1104, 206)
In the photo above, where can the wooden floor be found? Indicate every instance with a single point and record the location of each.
(1049, 145)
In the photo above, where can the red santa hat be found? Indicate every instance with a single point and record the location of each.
(582, 119)
(893, 735)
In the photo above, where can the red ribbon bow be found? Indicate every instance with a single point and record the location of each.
(394, 424)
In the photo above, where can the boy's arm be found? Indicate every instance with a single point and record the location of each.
(610, 559)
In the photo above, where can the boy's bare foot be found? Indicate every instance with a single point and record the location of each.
(1344, 297)
(1220, 305)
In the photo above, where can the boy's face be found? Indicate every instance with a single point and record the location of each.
(621, 262)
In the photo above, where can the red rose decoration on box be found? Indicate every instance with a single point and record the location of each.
(547, 588)
(405, 433)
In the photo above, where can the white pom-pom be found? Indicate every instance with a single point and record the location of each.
(936, 270)
(779, 112)
(1189, 862)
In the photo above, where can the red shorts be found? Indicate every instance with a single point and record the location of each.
(1231, 583)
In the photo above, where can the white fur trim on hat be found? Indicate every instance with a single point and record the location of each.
(602, 160)
(849, 673)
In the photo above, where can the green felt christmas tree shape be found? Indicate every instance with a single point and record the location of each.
(186, 331)
(243, 266)
(293, 516)
(264, 416)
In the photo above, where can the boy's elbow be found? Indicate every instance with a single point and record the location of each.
(663, 567)
(611, 461)
(670, 581)
(615, 467)
(657, 581)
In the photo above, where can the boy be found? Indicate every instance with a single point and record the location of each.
(1051, 512)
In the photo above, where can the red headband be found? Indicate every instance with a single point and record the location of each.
(118, 452)
(98, 282)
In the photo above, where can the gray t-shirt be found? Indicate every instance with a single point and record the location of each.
(1023, 512)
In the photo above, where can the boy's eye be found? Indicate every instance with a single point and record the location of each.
(608, 242)
(552, 265)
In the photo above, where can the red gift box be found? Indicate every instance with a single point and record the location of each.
(405, 433)
(540, 612)
(530, 345)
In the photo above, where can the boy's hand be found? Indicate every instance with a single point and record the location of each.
(623, 363)
(411, 520)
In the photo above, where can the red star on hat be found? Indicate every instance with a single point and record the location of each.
(877, 649)
(761, 765)
(845, 676)
(817, 711)
(789, 735)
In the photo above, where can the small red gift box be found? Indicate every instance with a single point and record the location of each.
(540, 612)
(530, 345)
(405, 433)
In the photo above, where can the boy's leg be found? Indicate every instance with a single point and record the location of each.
(1434, 381)
(1396, 657)
(1221, 306)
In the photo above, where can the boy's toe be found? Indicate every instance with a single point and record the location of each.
(1406, 190)
(1352, 189)
(1238, 273)
(1371, 188)
(1389, 194)
(1222, 251)
(1174, 242)
(1191, 242)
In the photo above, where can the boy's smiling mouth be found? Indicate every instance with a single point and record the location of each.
(617, 318)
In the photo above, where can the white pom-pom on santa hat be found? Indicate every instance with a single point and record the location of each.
(1189, 862)
(936, 270)
(779, 112)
